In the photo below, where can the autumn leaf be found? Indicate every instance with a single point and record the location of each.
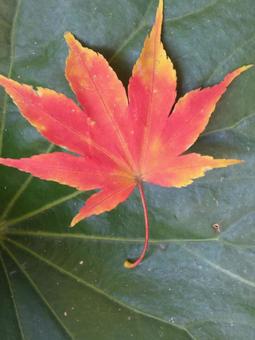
(120, 142)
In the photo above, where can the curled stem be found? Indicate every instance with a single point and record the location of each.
(128, 264)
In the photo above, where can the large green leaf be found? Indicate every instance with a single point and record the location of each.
(57, 283)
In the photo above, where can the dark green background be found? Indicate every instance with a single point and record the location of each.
(57, 283)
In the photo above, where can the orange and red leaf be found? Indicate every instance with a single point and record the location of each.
(79, 172)
(182, 170)
(58, 119)
(152, 92)
(121, 142)
(105, 200)
(191, 115)
(101, 94)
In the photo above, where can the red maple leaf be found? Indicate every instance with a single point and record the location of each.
(121, 142)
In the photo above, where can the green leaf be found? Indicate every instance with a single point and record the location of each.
(58, 283)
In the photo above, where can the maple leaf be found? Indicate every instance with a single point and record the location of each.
(121, 142)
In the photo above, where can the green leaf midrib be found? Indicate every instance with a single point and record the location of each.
(194, 253)
(102, 238)
(95, 238)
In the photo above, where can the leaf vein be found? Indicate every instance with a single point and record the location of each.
(42, 209)
(12, 297)
(237, 48)
(189, 14)
(103, 238)
(20, 191)
(12, 57)
(221, 269)
(235, 125)
(138, 28)
(96, 289)
(37, 290)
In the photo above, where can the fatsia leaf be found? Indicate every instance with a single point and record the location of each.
(121, 142)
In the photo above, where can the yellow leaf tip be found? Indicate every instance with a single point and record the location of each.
(246, 67)
(160, 8)
(77, 219)
(233, 162)
(238, 161)
(128, 265)
(73, 223)
(69, 38)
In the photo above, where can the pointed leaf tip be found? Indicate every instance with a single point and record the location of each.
(246, 67)
(160, 7)
(159, 17)
(77, 218)
(183, 170)
(69, 38)
(151, 91)
(232, 75)
(73, 223)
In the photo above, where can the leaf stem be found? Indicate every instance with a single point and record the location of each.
(128, 264)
